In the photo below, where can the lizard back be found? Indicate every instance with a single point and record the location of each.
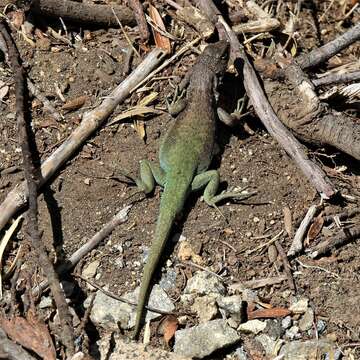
(191, 138)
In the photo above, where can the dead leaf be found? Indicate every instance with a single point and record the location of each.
(148, 99)
(75, 104)
(288, 220)
(272, 313)
(161, 41)
(314, 229)
(135, 111)
(168, 327)
(31, 333)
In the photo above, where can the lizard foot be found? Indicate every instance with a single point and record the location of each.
(177, 103)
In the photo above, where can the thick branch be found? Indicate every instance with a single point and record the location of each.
(89, 14)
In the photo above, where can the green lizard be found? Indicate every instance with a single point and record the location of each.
(185, 154)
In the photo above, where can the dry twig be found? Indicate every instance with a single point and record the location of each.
(337, 78)
(140, 19)
(118, 219)
(297, 244)
(328, 245)
(24, 130)
(286, 264)
(323, 53)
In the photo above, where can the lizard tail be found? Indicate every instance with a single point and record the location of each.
(172, 202)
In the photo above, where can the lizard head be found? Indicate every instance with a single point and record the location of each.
(215, 56)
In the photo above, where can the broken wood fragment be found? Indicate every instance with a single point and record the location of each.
(138, 10)
(83, 13)
(327, 245)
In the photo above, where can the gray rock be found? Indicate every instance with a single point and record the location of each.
(130, 350)
(108, 312)
(293, 333)
(268, 344)
(188, 299)
(252, 326)
(45, 302)
(307, 320)
(286, 322)
(232, 305)
(89, 270)
(249, 295)
(240, 354)
(311, 349)
(168, 280)
(202, 340)
(10, 350)
(204, 283)
(120, 262)
(205, 308)
(321, 326)
(299, 306)
(274, 329)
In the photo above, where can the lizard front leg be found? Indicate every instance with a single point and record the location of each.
(211, 179)
(149, 174)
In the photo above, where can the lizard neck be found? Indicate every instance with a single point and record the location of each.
(202, 80)
(201, 92)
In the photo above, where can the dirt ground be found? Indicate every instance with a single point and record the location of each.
(81, 198)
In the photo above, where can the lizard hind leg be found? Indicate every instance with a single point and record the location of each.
(149, 174)
(210, 180)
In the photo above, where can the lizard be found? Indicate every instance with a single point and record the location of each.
(185, 154)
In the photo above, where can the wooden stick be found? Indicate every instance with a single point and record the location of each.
(138, 10)
(323, 53)
(31, 179)
(286, 264)
(106, 230)
(337, 78)
(84, 13)
(92, 120)
(297, 244)
(327, 245)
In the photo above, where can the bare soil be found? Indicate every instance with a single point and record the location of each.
(81, 199)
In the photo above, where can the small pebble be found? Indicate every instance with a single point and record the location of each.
(293, 333)
(321, 326)
(286, 322)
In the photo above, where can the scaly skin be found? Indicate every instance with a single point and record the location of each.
(185, 154)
